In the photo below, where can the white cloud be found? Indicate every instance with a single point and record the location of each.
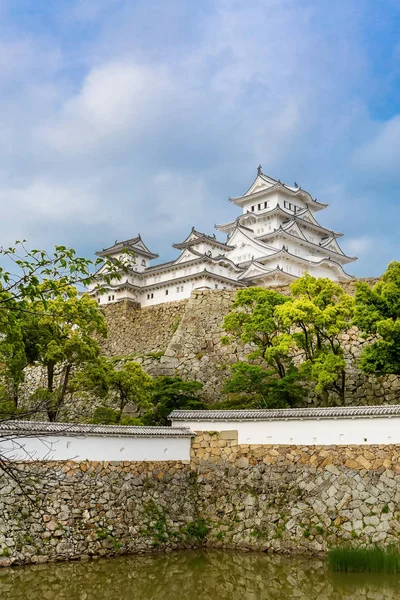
(152, 120)
(382, 152)
(88, 10)
(359, 246)
(116, 99)
(26, 57)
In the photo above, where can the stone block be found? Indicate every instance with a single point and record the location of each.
(229, 435)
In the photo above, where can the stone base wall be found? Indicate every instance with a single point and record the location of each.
(284, 499)
(296, 499)
(70, 510)
(141, 331)
(196, 352)
(184, 338)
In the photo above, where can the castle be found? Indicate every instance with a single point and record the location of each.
(276, 239)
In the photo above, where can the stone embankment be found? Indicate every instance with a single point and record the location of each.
(184, 338)
(195, 351)
(284, 499)
(141, 331)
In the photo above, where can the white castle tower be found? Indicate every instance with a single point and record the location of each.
(275, 240)
(277, 237)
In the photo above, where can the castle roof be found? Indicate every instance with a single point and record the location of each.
(266, 274)
(197, 237)
(131, 245)
(303, 217)
(264, 185)
(305, 261)
(284, 233)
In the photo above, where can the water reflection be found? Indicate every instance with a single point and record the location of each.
(190, 575)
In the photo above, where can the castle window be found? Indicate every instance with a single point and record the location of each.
(252, 208)
(98, 300)
(259, 207)
(265, 204)
(181, 288)
(291, 206)
(216, 286)
(166, 292)
(143, 263)
(177, 290)
(111, 298)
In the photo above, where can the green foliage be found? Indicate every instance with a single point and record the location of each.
(37, 306)
(126, 383)
(297, 337)
(105, 415)
(377, 313)
(253, 321)
(198, 529)
(317, 315)
(155, 355)
(372, 560)
(156, 524)
(131, 385)
(170, 393)
(175, 325)
(59, 337)
(254, 386)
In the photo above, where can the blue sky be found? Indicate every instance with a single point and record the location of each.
(124, 116)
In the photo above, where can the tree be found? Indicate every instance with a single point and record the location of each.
(254, 386)
(255, 321)
(171, 393)
(317, 315)
(29, 280)
(131, 385)
(12, 356)
(377, 314)
(121, 383)
(24, 271)
(59, 334)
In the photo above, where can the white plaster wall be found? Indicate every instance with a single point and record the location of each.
(96, 448)
(325, 432)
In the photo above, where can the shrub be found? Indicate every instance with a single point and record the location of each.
(198, 529)
(373, 560)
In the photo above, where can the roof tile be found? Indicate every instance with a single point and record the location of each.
(286, 413)
(34, 428)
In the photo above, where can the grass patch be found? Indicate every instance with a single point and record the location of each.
(198, 529)
(371, 560)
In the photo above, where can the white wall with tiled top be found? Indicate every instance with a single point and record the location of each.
(327, 431)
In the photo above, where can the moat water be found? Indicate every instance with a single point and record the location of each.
(193, 575)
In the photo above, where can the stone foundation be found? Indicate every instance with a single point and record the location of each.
(184, 338)
(284, 499)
